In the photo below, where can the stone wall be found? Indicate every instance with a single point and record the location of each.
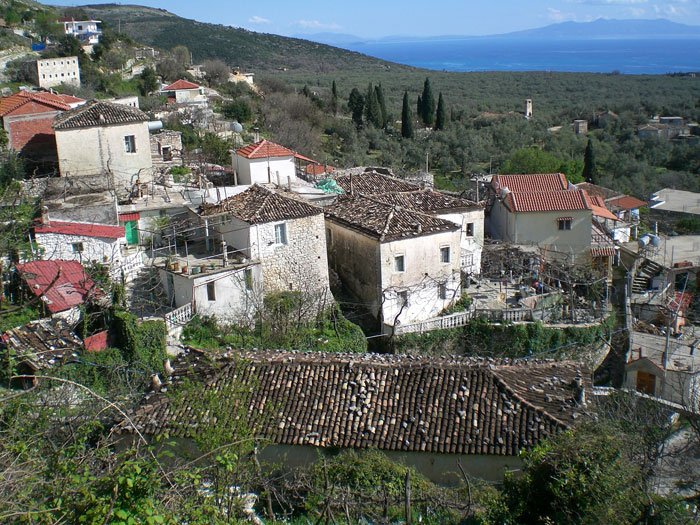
(95, 249)
(162, 143)
(301, 264)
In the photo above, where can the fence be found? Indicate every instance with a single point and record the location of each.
(129, 267)
(436, 323)
(179, 316)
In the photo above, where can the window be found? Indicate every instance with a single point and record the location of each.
(281, 233)
(470, 229)
(403, 298)
(399, 265)
(248, 278)
(445, 254)
(442, 291)
(77, 247)
(564, 223)
(130, 144)
(329, 237)
(211, 291)
(167, 153)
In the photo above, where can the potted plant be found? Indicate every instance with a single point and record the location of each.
(184, 269)
(176, 265)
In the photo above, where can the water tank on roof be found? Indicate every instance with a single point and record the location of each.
(644, 240)
(655, 241)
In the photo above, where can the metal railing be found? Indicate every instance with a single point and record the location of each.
(179, 316)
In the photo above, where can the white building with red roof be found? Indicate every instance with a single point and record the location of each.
(265, 162)
(184, 92)
(545, 210)
(79, 241)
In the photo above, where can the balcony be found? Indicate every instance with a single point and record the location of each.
(194, 260)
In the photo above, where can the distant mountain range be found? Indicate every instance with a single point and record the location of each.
(659, 29)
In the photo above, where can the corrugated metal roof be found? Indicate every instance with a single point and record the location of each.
(71, 285)
(82, 229)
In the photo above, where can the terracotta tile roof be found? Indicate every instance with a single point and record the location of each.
(627, 203)
(600, 191)
(263, 150)
(426, 201)
(547, 201)
(258, 205)
(96, 113)
(545, 182)
(372, 183)
(82, 229)
(97, 342)
(181, 84)
(71, 288)
(384, 221)
(131, 216)
(389, 402)
(44, 343)
(11, 103)
(599, 209)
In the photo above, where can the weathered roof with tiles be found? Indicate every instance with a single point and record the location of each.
(264, 149)
(384, 221)
(51, 100)
(373, 183)
(545, 182)
(82, 229)
(427, 201)
(258, 205)
(181, 84)
(96, 113)
(44, 343)
(389, 402)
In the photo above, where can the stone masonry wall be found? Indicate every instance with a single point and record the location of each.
(301, 264)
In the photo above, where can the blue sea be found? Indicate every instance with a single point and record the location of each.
(487, 54)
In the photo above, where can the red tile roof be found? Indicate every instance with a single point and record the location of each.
(181, 84)
(72, 286)
(627, 203)
(547, 201)
(97, 342)
(388, 402)
(597, 205)
(264, 149)
(131, 216)
(52, 101)
(531, 182)
(82, 229)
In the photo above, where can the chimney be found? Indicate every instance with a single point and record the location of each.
(45, 220)
(528, 108)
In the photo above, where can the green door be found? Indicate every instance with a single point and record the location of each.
(132, 232)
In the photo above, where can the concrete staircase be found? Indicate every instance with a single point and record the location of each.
(647, 271)
(145, 295)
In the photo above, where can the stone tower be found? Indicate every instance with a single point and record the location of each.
(528, 108)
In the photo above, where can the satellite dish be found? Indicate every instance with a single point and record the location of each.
(236, 127)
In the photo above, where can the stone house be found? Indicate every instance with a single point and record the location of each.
(467, 214)
(184, 92)
(429, 412)
(83, 242)
(402, 264)
(545, 210)
(283, 232)
(166, 149)
(87, 31)
(673, 376)
(62, 286)
(51, 72)
(100, 137)
(266, 163)
(27, 119)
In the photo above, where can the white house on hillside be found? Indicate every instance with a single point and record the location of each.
(277, 240)
(544, 210)
(100, 137)
(468, 215)
(87, 31)
(404, 265)
(266, 162)
(83, 242)
(184, 92)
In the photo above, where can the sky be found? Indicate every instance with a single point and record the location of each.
(378, 18)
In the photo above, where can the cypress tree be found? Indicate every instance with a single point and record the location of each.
(373, 112)
(382, 105)
(428, 104)
(334, 99)
(356, 103)
(590, 170)
(406, 118)
(441, 118)
(419, 107)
